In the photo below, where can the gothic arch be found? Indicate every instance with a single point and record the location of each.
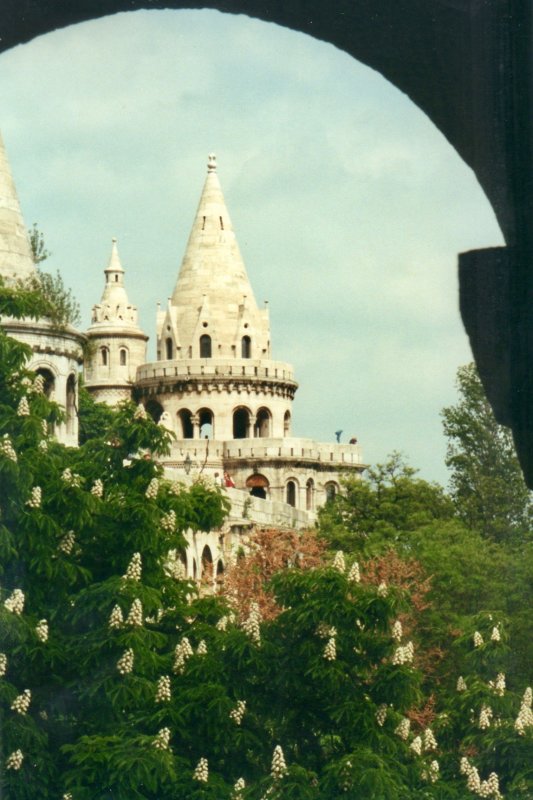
(155, 409)
(185, 422)
(263, 423)
(71, 411)
(206, 420)
(49, 375)
(207, 564)
(291, 492)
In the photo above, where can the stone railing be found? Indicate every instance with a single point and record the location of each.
(214, 368)
(293, 449)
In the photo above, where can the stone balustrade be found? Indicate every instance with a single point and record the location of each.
(214, 368)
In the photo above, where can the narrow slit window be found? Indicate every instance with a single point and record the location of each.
(203, 223)
(221, 223)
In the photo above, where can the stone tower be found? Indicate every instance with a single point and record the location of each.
(216, 386)
(117, 343)
(57, 350)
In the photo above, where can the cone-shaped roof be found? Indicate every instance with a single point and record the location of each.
(212, 267)
(16, 261)
(114, 309)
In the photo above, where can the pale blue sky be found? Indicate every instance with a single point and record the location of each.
(349, 206)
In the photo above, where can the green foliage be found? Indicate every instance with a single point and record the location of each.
(38, 247)
(94, 419)
(486, 483)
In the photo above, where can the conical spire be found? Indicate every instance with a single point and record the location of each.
(212, 274)
(16, 261)
(114, 308)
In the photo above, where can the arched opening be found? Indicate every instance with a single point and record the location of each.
(287, 423)
(194, 569)
(123, 357)
(206, 420)
(246, 347)
(205, 346)
(290, 493)
(258, 485)
(70, 405)
(155, 409)
(207, 564)
(310, 494)
(49, 381)
(331, 489)
(104, 356)
(219, 578)
(263, 423)
(241, 423)
(169, 348)
(186, 429)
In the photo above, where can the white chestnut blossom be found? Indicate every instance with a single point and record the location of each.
(125, 662)
(116, 620)
(525, 715)
(354, 575)
(70, 478)
(152, 490)
(416, 745)
(498, 685)
(67, 543)
(485, 716)
(182, 652)
(38, 384)
(169, 520)
(173, 566)
(97, 489)
(381, 714)
(223, 622)
(67, 796)
(330, 650)
(201, 650)
(478, 639)
(163, 694)
(21, 703)
(237, 713)
(36, 497)
(15, 759)
(279, 767)
(383, 589)
(397, 631)
(134, 570)
(251, 624)
(23, 408)
(41, 630)
(432, 773)
(238, 788)
(44, 427)
(162, 739)
(140, 412)
(15, 602)
(495, 635)
(7, 449)
(135, 617)
(461, 684)
(403, 654)
(43, 446)
(326, 631)
(339, 562)
(201, 771)
(3, 664)
(402, 729)
(429, 741)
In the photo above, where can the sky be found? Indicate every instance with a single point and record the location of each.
(349, 206)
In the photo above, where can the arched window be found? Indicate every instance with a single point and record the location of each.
(155, 409)
(104, 356)
(70, 405)
(123, 356)
(310, 494)
(287, 423)
(331, 491)
(220, 574)
(205, 346)
(185, 418)
(168, 348)
(207, 564)
(246, 347)
(206, 420)
(263, 423)
(241, 423)
(49, 382)
(290, 493)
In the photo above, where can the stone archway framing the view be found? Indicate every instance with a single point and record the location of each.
(455, 60)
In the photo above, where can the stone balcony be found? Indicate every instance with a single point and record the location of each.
(221, 368)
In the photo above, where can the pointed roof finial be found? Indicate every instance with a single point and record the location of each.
(114, 260)
(211, 162)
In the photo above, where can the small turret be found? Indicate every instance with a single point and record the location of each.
(118, 343)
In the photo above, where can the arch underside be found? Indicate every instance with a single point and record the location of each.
(455, 60)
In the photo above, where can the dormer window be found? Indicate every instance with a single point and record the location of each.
(205, 346)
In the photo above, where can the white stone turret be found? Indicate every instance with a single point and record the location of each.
(57, 350)
(117, 343)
